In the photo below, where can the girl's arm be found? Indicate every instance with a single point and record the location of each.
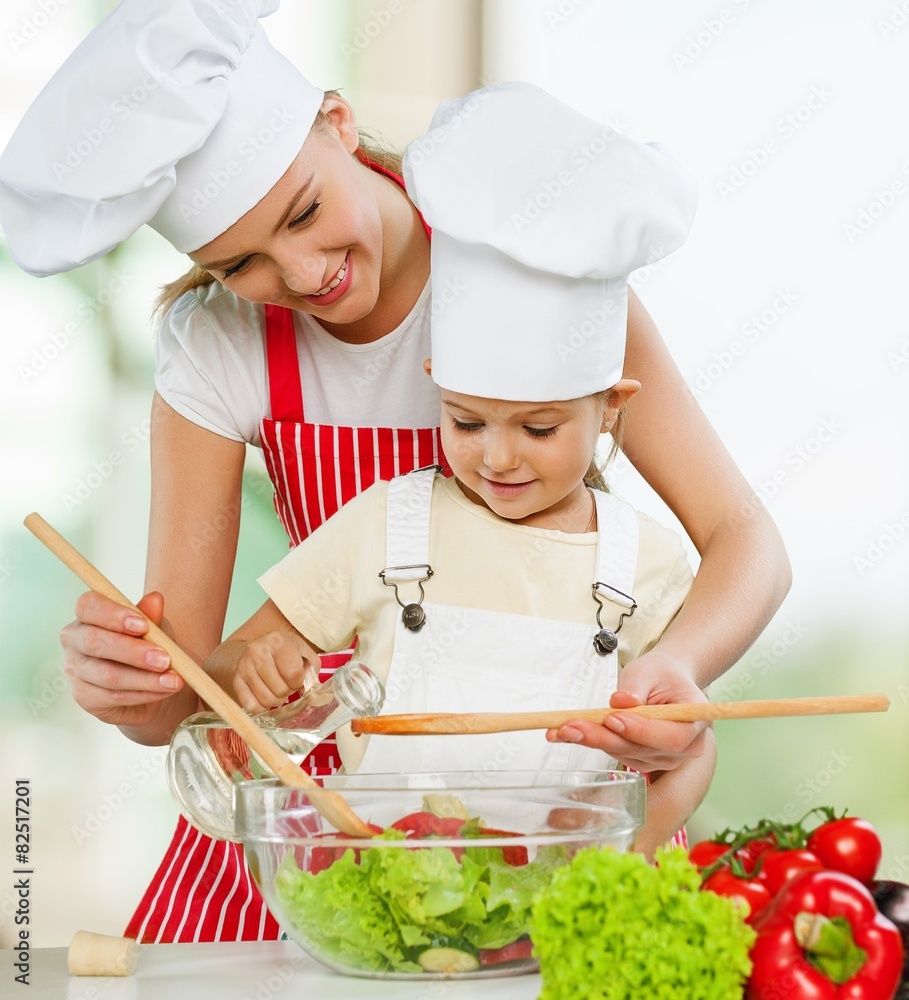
(264, 661)
(195, 513)
(744, 572)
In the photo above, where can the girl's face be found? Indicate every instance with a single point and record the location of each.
(526, 461)
(314, 242)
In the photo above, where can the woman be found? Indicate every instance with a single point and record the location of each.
(270, 200)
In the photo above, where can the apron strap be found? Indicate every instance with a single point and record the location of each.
(408, 505)
(284, 388)
(617, 547)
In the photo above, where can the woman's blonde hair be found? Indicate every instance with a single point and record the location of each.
(371, 149)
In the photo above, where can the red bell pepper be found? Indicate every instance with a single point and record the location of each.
(822, 938)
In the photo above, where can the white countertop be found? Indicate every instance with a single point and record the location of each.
(261, 970)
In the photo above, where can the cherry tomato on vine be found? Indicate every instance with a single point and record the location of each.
(849, 845)
(706, 852)
(780, 866)
(755, 895)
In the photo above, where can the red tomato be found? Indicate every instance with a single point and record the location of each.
(752, 853)
(513, 855)
(755, 895)
(848, 845)
(521, 949)
(780, 866)
(706, 852)
(426, 824)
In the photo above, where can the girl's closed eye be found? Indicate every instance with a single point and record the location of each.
(540, 432)
(465, 426)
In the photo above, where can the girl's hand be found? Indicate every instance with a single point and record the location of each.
(115, 674)
(273, 666)
(643, 744)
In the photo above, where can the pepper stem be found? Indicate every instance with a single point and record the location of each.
(829, 945)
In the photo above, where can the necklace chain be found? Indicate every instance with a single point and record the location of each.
(593, 513)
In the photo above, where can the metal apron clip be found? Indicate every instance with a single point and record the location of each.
(413, 616)
(606, 640)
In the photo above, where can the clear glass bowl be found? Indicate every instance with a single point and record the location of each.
(448, 898)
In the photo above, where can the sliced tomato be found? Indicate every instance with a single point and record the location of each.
(513, 855)
(517, 950)
(427, 824)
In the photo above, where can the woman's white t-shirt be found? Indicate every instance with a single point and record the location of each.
(211, 368)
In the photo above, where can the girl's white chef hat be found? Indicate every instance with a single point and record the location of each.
(538, 216)
(175, 113)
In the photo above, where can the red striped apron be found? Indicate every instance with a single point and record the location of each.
(202, 890)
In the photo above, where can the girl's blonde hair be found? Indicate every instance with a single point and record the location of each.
(594, 477)
(371, 150)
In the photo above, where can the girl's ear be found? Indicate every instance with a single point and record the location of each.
(427, 367)
(342, 120)
(616, 398)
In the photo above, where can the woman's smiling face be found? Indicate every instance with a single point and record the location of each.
(314, 242)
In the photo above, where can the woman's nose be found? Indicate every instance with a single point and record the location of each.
(303, 273)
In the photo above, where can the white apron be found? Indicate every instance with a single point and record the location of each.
(467, 660)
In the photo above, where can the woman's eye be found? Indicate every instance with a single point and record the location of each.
(306, 215)
(467, 428)
(541, 432)
(237, 268)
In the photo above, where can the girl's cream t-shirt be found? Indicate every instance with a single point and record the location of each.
(329, 586)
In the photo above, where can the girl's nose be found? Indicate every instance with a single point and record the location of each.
(499, 453)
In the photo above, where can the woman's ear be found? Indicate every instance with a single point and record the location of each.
(427, 367)
(342, 120)
(616, 398)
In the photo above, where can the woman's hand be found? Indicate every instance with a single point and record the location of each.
(637, 742)
(118, 676)
(271, 667)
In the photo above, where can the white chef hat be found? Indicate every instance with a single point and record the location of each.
(538, 216)
(175, 113)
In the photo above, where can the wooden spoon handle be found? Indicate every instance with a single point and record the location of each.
(330, 804)
(503, 722)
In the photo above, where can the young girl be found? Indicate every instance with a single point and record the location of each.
(510, 585)
(192, 160)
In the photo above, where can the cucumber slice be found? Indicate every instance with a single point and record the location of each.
(448, 959)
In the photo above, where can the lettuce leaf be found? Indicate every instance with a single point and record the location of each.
(380, 911)
(610, 926)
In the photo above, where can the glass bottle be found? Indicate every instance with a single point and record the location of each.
(207, 758)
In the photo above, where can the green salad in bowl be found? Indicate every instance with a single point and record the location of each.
(446, 886)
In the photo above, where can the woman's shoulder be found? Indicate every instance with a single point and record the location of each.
(209, 309)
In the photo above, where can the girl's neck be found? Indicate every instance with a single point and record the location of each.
(405, 266)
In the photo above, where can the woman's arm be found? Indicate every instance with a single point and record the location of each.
(744, 572)
(195, 513)
(674, 795)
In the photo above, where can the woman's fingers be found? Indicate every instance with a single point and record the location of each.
(92, 641)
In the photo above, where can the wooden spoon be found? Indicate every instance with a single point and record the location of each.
(506, 722)
(330, 804)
